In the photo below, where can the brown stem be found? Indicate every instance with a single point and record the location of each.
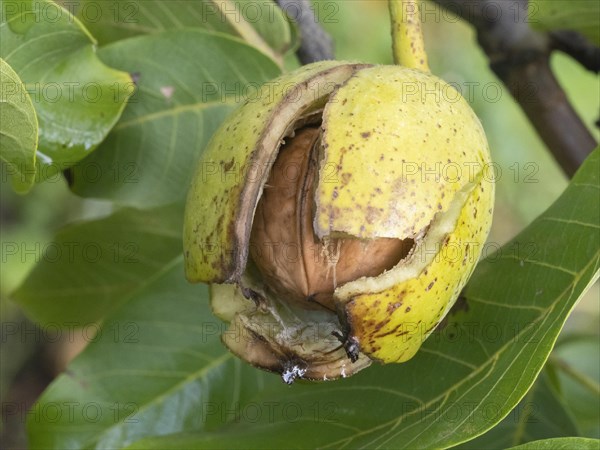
(520, 57)
(578, 47)
(540, 96)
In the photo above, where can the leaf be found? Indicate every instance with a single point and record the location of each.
(150, 156)
(576, 364)
(18, 129)
(540, 415)
(76, 97)
(261, 24)
(467, 377)
(568, 443)
(92, 267)
(578, 15)
(156, 364)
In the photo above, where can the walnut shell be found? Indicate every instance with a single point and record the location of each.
(295, 264)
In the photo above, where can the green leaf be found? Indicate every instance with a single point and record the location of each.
(150, 156)
(157, 364)
(92, 267)
(568, 443)
(77, 98)
(467, 377)
(576, 363)
(18, 129)
(540, 415)
(261, 24)
(578, 15)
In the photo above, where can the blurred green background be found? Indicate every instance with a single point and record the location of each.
(360, 29)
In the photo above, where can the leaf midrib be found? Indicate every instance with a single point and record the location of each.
(175, 111)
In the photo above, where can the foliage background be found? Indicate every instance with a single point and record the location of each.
(361, 32)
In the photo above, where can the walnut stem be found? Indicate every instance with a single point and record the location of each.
(407, 37)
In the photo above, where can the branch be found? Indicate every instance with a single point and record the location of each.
(315, 43)
(577, 47)
(520, 57)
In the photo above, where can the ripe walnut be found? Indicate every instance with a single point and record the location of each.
(319, 275)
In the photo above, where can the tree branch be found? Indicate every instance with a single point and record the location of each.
(577, 47)
(315, 43)
(520, 57)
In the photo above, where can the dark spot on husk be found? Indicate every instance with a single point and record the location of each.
(228, 165)
(393, 306)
